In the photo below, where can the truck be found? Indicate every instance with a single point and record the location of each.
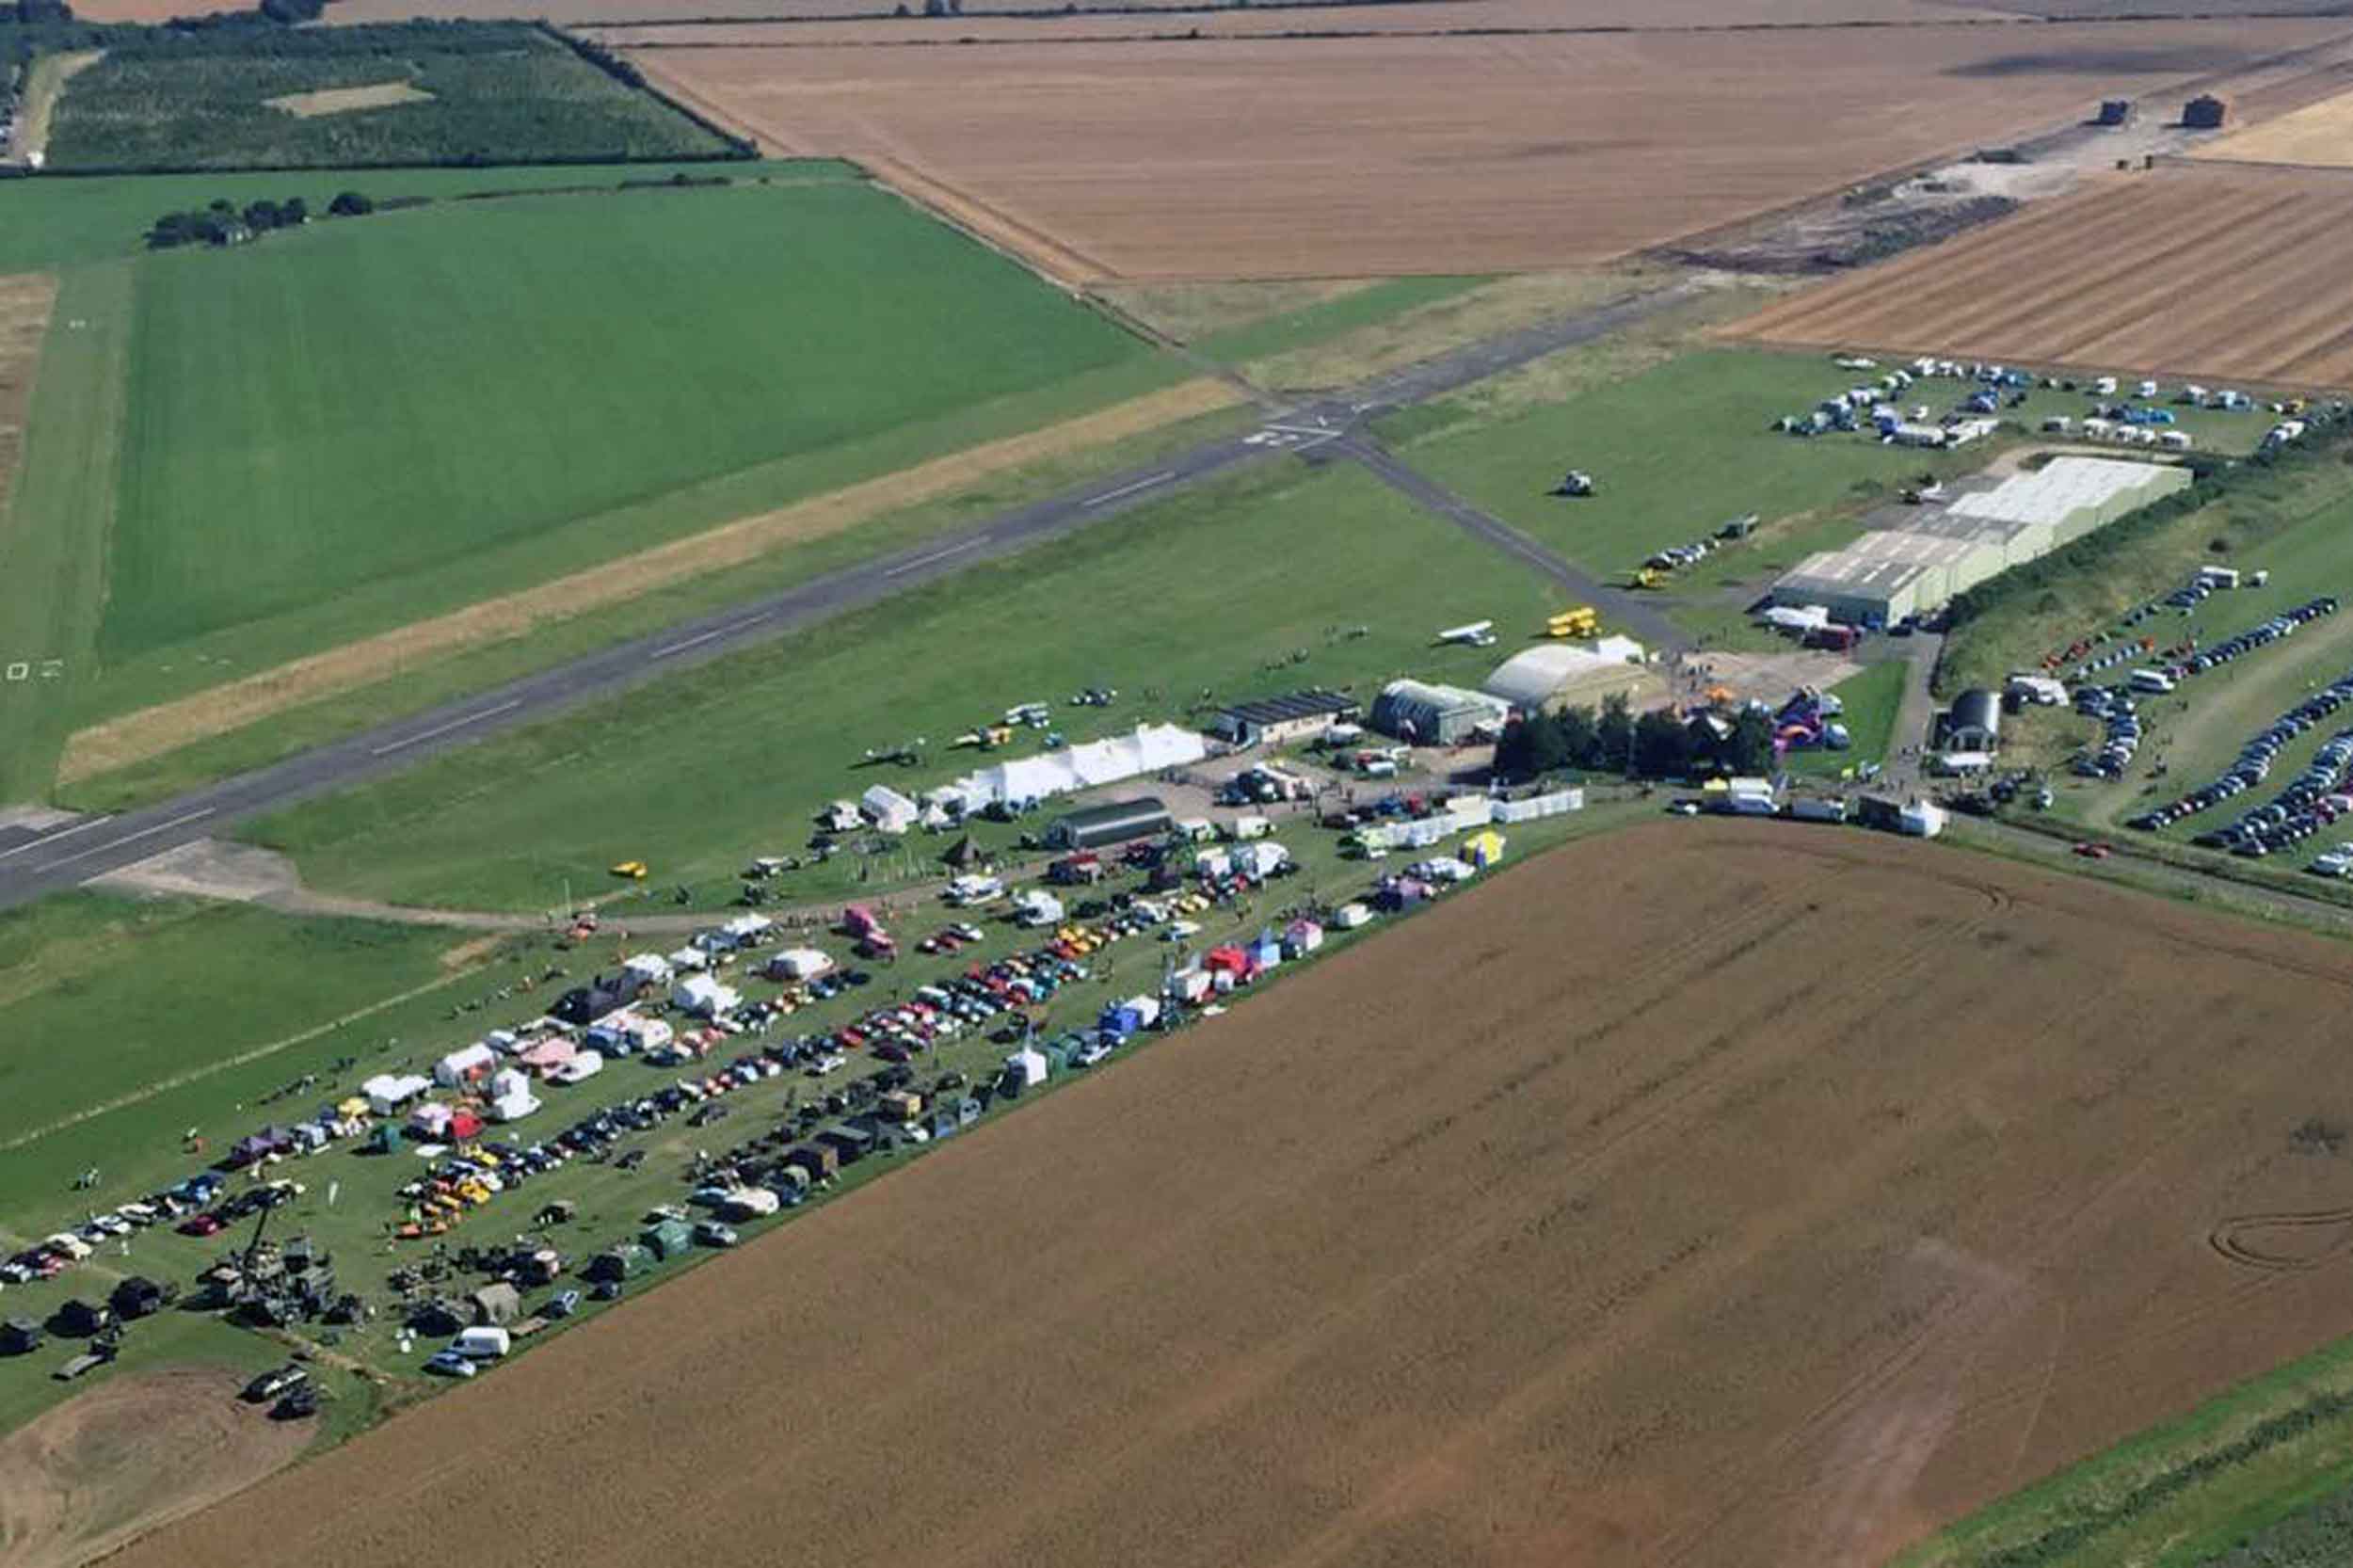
(1835, 637)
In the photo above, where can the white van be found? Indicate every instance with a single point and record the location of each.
(2151, 681)
(483, 1344)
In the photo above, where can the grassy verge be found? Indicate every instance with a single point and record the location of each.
(2176, 1496)
(1871, 700)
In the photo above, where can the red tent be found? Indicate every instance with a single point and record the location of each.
(463, 1125)
(1229, 960)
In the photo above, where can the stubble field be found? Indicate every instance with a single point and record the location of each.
(1708, 1195)
(2181, 271)
(1366, 156)
(2319, 134)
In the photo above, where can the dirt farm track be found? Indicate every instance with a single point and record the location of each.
(2203, 270)
(1346, 157)
(1710, 1195)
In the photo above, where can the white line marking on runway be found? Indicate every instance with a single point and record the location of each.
(388, 749)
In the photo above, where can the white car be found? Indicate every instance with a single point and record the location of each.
(1180, 931)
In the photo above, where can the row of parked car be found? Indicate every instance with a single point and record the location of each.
(2253, 764)
(2316, 798)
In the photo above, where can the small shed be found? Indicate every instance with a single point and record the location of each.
(2205, 112)
(497, 1304)
(1113, 821)
(1270, 721)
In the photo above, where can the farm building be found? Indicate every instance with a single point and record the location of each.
(1933, 554)
(1435, 715)
(1552, 675)
(1150, 748)
(1974, 722)
(2072, 496)
(1114, 822)
(1274, 720)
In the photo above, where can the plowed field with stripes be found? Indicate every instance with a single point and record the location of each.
(2226, 275)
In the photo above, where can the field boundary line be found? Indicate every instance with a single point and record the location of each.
(153, 732)
(1056, 260)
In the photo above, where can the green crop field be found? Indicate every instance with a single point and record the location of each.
(499, 93)
(1257, 584)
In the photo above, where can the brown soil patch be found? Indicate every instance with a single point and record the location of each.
(153, 731)
(135, 1453)
(26, 302)
(1710, 1194)
(332, 101)
(1381, 155)
(2197, 270)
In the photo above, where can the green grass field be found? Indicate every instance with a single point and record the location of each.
(1244, 587)
(498, 94)
(403, 414)
(1871, 700)
(382, 398)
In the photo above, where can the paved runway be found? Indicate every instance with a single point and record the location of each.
(73, 852)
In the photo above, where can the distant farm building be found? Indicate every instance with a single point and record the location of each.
(1936, 552)
(1425, 714)
(1277, 719)
(2205, 112)
(1552, 675)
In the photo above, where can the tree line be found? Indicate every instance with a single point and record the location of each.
(223, 222)
(1612, 740)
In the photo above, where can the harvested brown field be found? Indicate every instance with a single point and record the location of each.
(151, 732)
(2198, 271)
(1376, 156)
(1709, 1196)
(1260, 21)
(2319, 134)
(328, 100)
(133, 1453)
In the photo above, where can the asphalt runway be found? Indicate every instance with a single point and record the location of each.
(73, 852)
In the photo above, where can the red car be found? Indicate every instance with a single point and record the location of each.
(2093, 851)
(199, 1224)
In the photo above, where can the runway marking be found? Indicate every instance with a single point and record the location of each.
(704, 637)
(82, 827)
(922, 561)
(1109, 496)
(132, 837)
(390, 747)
